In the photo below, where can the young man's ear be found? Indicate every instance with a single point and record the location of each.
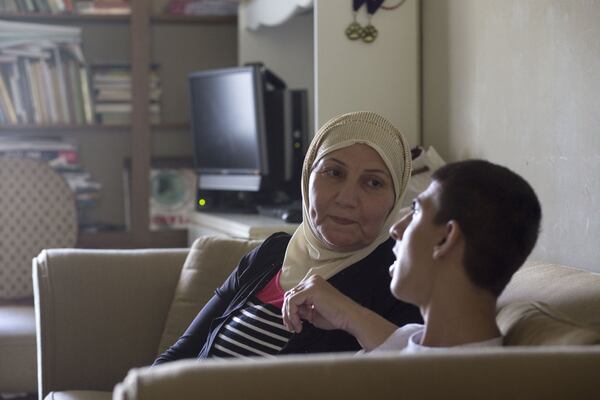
(452, 236)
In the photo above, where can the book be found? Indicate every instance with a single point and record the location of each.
(111, 86)
(47, 80)
(11, 72)
(8, 109)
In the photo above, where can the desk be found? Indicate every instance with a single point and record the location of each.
(242, 226)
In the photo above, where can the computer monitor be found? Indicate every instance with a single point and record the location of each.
(243, 139)
(228, 128)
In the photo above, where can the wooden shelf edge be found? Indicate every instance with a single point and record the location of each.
(127, 240)
(61, 128)
(167, 239)
(176, 126)
(33, 17)
(105, 240)
(120, 18)
(193, 19)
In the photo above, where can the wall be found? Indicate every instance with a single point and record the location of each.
(341, 75)
(382, 76)
(286, 49)
(517, 82)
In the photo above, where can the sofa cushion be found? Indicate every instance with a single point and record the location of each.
(536, 324)
(209, 262)
(572, 291)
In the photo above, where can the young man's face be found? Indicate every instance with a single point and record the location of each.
(416, 236)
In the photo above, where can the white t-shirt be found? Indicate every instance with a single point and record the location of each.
(407, 339)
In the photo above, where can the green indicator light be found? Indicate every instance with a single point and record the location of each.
(296, 145)
(202, 202)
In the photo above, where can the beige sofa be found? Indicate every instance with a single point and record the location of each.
(101, 318)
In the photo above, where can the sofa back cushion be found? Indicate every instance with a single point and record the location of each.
(573, 292)
(537, 324)
(209, 262)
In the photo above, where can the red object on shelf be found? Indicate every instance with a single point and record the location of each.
(177, 7)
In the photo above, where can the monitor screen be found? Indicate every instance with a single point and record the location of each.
(227, 121)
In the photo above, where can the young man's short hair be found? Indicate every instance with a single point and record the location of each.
(499, 214)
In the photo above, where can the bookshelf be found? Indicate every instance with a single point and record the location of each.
(179, 44)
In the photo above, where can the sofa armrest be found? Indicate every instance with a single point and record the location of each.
(100, 313)
(569, 372)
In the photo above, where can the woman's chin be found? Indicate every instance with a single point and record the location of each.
(343, 242)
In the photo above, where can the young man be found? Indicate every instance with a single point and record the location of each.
(455, 251)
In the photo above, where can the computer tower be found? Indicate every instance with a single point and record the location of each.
(296, 137)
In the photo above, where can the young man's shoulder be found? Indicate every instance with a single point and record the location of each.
(400, 339)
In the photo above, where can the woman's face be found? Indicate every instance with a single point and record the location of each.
(351, 193)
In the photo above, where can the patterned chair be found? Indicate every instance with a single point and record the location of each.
(37, 211)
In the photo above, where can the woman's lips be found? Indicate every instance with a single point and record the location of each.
(341, 221)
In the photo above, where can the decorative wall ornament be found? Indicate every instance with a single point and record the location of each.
(257, 13)
(368, 33)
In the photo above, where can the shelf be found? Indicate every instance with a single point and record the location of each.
(193, 19)
(173, 44)
(54, 129)
(61, 128)
(71, 18)
(127, 240)
(172, 126)
(120, 18)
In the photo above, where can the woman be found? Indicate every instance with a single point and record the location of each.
(353, 178)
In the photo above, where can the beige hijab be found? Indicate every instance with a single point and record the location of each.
(306, 254)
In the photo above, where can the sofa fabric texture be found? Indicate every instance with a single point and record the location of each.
(124, 298)
(99, 313)
(572, 291)
(538, 324)
(208, 264)
(526, 373)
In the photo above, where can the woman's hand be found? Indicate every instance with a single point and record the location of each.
(316, 301)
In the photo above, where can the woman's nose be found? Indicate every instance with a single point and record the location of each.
(347, 194)
(397, 230)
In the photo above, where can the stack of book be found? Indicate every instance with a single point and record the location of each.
(63, 157)
(65, 6)
(103, 7)
(111, 84)
(43, 75)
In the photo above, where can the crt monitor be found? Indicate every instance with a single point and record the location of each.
(228, 128)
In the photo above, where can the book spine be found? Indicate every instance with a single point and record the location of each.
(15, 88)
(86, 95)
(50, 91)
(6, 103)
(25, 89)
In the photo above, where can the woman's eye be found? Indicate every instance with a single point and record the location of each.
(332, 172)
(375, 183)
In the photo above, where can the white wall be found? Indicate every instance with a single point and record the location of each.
(518, 82)
(348, 76)
(382, 76)
(286, 49)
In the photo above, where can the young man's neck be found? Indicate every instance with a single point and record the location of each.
(460, 318)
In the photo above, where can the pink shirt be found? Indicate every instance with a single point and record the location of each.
(272, 293)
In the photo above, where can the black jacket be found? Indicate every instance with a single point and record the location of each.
(367, 282)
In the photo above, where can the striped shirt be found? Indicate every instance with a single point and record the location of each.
(256, 329)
